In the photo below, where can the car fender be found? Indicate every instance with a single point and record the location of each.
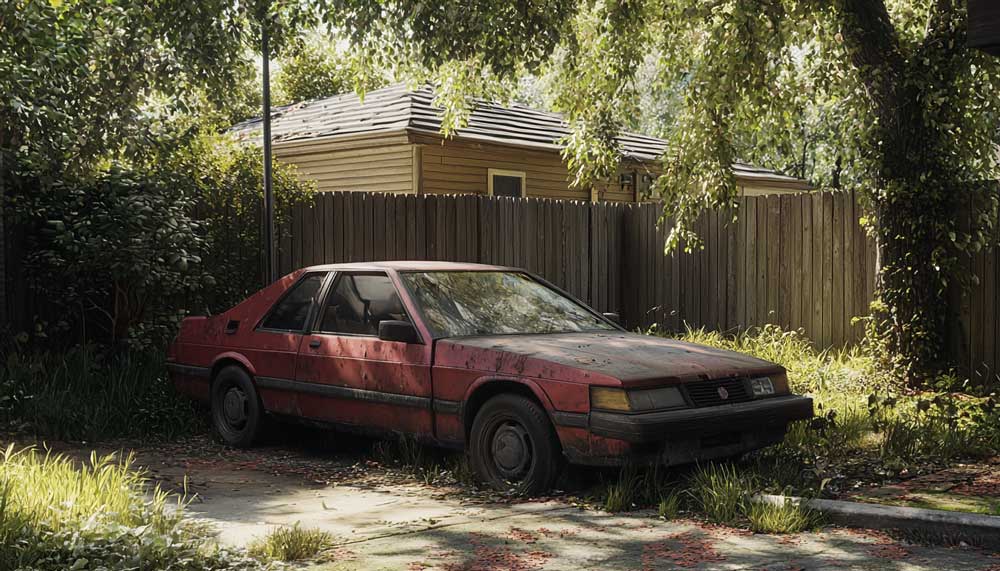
(235, 356)
(535, 388)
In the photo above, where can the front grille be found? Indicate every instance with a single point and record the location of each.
(707, 393)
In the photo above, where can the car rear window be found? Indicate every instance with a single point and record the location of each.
(457, 303)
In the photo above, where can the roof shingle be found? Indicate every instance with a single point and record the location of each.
(397, 108)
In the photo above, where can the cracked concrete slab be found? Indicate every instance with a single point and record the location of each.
(398, 523)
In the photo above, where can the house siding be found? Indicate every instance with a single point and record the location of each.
(453, 167)
(383, 164)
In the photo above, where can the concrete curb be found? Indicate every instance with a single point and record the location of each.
(974, 529)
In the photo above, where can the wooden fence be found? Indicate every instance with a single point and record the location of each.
(977, 322)
(575, 245)
(800, 261)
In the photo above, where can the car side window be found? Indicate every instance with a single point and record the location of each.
(359, 302)
(293, 310)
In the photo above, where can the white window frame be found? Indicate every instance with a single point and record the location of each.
(490, 173)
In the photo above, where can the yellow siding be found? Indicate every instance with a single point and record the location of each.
(373, 164)
(454, 167)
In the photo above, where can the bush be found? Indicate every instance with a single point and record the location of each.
(85, 394)
(226, 182)
(117, 257)
(55, 515)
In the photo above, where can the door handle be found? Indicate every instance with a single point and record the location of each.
(314, 343)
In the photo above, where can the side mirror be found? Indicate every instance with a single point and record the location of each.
(613, 317)
(399, 331)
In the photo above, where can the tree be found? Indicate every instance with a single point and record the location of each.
(311, 69)
(97, 99)
(893, 101)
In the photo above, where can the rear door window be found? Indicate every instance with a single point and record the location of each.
(292, 312)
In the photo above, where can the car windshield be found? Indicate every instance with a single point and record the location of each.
(492, 303)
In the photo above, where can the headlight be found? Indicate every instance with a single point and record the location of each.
(762, 386)
(608, 398)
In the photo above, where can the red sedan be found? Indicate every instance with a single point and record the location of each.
(491, 359)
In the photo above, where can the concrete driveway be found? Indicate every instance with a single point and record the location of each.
(386, 520)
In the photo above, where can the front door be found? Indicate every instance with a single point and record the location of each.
(349, 375)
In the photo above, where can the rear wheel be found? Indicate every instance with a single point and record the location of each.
(236, 409)
(513, 446)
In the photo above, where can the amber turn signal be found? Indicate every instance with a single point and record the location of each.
(609, 398)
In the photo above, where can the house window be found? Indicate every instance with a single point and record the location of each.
(506, 183)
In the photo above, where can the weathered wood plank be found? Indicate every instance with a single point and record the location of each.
(773, 259)
(751, 264)
(839, 313)
(817, 270)
(827, 338)
(794, 237)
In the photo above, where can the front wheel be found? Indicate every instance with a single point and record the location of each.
(236, 409)
(513, 446)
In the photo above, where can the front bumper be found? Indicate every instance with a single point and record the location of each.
(774, 412)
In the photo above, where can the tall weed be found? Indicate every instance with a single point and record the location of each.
(57, 515)
(83, 394)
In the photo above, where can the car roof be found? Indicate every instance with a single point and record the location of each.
(411, 265)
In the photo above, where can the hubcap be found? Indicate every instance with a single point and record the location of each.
(511, 450)
(234, 407)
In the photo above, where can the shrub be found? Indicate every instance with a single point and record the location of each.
(118, 257)
(226, 182)
(291, 544)
(85, 394)
(56, 515)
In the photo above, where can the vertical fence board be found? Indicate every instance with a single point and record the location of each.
(837, 300)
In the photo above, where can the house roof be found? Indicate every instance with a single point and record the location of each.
(396, 108)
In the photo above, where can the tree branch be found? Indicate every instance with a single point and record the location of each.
(873, 46)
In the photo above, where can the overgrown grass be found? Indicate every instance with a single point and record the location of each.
(866, 430)
(56, 515)
(862, 419)
(81, 394)
(721, 492)
(293, 543)
(780, 518)
(430, 465)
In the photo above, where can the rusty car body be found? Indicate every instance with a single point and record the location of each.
(488, 358)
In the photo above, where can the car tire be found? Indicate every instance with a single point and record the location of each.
(237, 413)
(513, 447)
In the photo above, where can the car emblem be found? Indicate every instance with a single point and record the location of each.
(723, 393)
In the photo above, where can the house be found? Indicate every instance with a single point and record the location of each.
(391, 142)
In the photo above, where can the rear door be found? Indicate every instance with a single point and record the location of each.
(273, 345)
(349, 375)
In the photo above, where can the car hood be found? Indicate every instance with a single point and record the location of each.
(601, 357)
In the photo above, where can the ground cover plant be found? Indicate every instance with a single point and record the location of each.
(57, 515)
(87, 394)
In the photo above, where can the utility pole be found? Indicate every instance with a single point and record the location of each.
(271, 267)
